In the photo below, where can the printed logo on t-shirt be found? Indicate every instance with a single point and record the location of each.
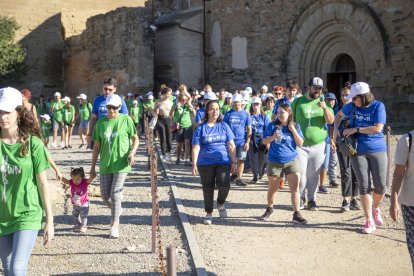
(6, 168)
(110, 136)
(212, 138)
(363, 119)
(309, 114)
(234, 121)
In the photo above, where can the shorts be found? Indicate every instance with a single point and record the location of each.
(57, 124)
(84, 124)
(184, 134)
(69, 125)
(280, 169)
(240, 153)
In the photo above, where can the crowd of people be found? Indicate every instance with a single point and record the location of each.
(285, 136)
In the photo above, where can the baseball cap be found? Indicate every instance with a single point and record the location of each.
(46, 116)
(10, 98)
(113, 100)
(150, 93)
(82, 96)
(316, 82)
(246, 95)
(134, 102)
(57, 94)
(210, 96)
(237, 98)
(256, 100)
(330, 96)
(358, 88)
(150, 97)
(265, 87)
(229, 95)
(249, 89)
(66, 99)
(129, 94)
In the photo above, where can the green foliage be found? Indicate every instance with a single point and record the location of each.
(12, 55)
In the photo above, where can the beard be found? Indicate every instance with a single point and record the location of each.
(314, 95)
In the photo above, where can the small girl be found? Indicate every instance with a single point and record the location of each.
(46, 126)
(79, 195)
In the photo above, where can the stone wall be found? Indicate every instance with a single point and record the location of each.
(116, 44)
(302, 38)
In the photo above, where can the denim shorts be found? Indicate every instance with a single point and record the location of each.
(240, 153)
(280, 169)
(84, 124)
(57, 124)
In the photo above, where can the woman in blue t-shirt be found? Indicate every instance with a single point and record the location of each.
(257, 150)
(284, 136)
(214, 156)
(367, 119)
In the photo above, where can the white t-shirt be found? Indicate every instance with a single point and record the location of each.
(406, 195)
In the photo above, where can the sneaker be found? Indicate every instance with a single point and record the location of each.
(114, 233)
(54, 145)
(345, 205)
(62, 144)
(323, 190)
(69, 146)
(65, 148)
(368, 227)
(282, 184)
(377, 216)
(302, 203)
(188, 163)
(177, 162)
(355, 205)
(81, 146)
(333, 184)
(76, 227)
(169, 158)
(233, 177)
(240, 182)
(208, 219)
(312, 205)
(83, 229)
(163, 158)
(267, 214)
(88, 147)
(222, 211)
(254, 180)
(298, 219)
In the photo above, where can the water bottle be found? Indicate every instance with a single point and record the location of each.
(278, 131)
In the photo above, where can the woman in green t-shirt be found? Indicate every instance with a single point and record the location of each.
(112, 138)
(24, 188)
(68, 120)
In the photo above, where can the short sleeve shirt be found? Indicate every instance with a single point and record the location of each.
(99, 107)
(238, 121)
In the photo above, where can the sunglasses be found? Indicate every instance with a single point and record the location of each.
(278, 94)
(112, 107)
(345, 95)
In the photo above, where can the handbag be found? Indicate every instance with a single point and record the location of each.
(347, 145)
(175, 127)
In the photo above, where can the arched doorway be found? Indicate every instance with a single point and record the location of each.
(343, 70)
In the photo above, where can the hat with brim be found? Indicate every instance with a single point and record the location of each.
(237, 98)
(256, 100)
(358, 88)
(316, 82)
(82, 96)
(45, 116)
(113, 100)
(10, 98)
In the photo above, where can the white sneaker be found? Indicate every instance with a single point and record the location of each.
(62, 144)
(222, 211)
(54, 145)
(169, 158)
(114, 233)
(208, 219)
(163, 158)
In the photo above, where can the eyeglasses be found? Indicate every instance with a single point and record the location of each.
(112, 107)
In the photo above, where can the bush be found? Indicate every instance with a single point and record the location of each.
(12, 55)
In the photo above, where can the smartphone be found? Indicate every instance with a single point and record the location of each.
(321, 98)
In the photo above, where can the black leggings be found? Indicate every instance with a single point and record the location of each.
(164, 131)
(212, 175)
(349, 182)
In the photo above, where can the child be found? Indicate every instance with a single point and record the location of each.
(46, 126)
(79, 195)
(135, 113)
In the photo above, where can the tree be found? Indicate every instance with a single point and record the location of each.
(12, 55)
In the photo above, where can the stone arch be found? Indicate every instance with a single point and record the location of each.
(330, 28)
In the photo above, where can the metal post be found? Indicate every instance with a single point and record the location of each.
(388, 139)
(171, 261)
(153, 157)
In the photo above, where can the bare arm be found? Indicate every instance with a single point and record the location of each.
(43, 187)
(296, 136)
(92, 123)
(95, 154)
(135, 144)
(195, 151)
(337, 121)
(65, 181)
(55, 167)
(398, 176)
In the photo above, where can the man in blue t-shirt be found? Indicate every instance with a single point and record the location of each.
(99, 108)
(240, 123)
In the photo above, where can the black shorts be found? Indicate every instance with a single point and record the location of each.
(184, 134)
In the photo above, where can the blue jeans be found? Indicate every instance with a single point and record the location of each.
(15, 251)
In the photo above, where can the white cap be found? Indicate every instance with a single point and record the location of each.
(229, 95)
(140, 97)
(134, 102)
(66, 99)
(113, 100)
(249, 89)
(176, 92)
(150, 93)
(256, 100)
(237, 98)
(265, 87)
(10, 98)
(246, 95)
(202, 93)
(150, 97)
(210, 96)
(57, 94)
(82, 96)
(129, 94)
(263, 97)
(358, 88)
(46, 116)
(317, 82)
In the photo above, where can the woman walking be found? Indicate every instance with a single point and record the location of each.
(162, 109)
(116, 142)
(367, 119)
(24, 187)
(214, 157)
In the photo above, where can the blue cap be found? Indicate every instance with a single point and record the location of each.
(330, 96)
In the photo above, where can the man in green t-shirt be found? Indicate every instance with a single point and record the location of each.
(85, 111)
(312, 113)
(56, 107)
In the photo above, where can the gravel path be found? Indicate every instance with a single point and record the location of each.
(94, 253)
